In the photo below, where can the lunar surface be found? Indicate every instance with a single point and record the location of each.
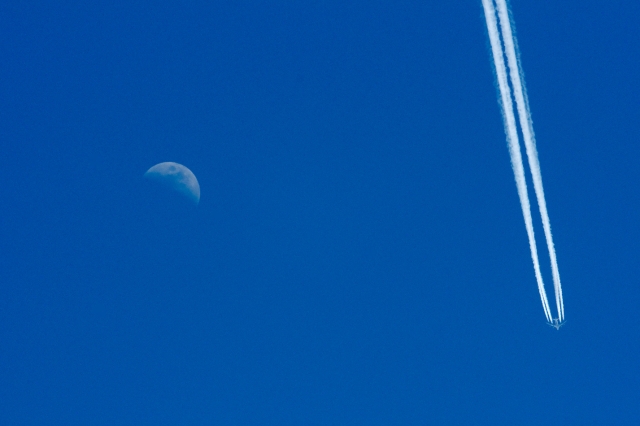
(177, 178)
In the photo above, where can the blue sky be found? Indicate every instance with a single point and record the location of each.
(358, 255)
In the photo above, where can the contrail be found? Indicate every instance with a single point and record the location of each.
(526, 124)
(514, 144)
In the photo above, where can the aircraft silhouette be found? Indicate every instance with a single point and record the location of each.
(555, 323)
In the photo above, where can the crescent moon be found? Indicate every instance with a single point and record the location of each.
(177, 178)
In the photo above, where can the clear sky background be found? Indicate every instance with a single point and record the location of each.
(358, 255)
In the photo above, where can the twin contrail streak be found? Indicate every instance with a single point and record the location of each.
(526, 125)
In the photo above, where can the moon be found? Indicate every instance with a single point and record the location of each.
(177, 178)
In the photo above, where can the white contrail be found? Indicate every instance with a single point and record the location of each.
(514, 144)
(526, 124)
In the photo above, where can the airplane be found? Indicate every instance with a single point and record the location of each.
(555, 323)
